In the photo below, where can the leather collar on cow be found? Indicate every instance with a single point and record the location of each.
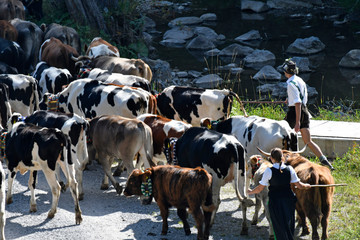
(146, 187)
(2, 146)
(84, 72)
(53, 102)
(170, 152)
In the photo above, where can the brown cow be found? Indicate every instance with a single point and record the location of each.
(163, 128)
(315, 203)
(10, 9)
(125, 66)
(179, 187)
(8, 31)
(115, 137)
(100, 47)
(57, 54)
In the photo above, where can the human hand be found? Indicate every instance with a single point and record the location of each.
(297, 127)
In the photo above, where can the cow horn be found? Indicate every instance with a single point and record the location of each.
(80, 58)
(268, 154)
(241, 104)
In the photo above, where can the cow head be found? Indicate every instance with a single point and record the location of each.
(15, 117)
(208, 123)
(139, 183)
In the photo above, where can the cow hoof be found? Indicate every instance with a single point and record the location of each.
(104, 186)
(9, 201)
(51, 214)
(78, 218)
(33, 208)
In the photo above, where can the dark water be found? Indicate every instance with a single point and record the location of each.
(280, 30)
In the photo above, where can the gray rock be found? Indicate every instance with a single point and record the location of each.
(267, 73)
(252, 16)
(194, 74)
(279, 4)
(182, 74)
(259, 58)
(306, 46)
(351, 75)
(212, 52)
(255, 6)
(302, 63)
(161, 71)
(237, 70)
(149, 23)
(207, 33)
(200, 43)
(208, 81)
(236, 50)
(181, 21)
(227, 67)
(208, 17)
(179, 33)
(251, 35)
(173, 43)
(351, 59)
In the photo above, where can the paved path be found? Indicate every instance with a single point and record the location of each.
(333, 137)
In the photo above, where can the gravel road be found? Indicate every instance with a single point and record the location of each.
(107, 215)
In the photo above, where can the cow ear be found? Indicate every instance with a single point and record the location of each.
(205, 122)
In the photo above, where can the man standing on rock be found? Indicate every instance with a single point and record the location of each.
(298, 116)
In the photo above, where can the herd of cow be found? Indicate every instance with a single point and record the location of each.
(63, 110)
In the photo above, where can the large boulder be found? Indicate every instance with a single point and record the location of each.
(209, 34)
(208, 81)
(306, 46)
(179, 33)
(267, 73)
(181, 21)
(259, 58)
(200, 43)
(161, 71)
(236, 50)
(208, 17)
(279, 4)
(351, 59)
(255, 6)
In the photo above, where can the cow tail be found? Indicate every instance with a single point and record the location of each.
(317, 202)
(232, 94)
(209, 206)
(36, 100)
(237, 183)
(148, 143)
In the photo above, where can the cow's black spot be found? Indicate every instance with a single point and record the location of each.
(163, 104)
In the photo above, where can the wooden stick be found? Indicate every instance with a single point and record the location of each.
(329, 185)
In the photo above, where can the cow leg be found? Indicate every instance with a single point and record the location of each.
(325, 220)
(164, 212)
(63, 186)
(265, 200)
(302, 220)
(255, 218)
(207, 219)
(244, 227)
(70, 176)
(32, 185)
(55, 189)
(199, 218)
(216, 200)
(11, 177)
(181, 212)
(314, 220)
(119, 169)
(79, 178)
(106, 164)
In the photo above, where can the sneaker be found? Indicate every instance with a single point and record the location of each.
(325, 162)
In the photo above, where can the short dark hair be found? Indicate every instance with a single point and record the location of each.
(290, 67)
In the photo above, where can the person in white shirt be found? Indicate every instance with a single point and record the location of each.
(298, 116)
(282, 199)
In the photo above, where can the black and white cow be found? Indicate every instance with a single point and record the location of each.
(30, 38)
(73, 126)
(12, 55)
(118, 78)
(220, 154)
(192, 104)
(32, 148)
(90, 98)
(5, 108)
(51, 79)
(23, 93)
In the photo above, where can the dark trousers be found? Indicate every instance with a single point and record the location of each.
(282, 215)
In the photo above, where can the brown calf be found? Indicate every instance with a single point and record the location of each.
(179, 187)
(100, 47)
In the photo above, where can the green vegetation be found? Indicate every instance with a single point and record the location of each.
(344, 218)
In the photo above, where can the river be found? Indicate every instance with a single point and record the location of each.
(280, 30)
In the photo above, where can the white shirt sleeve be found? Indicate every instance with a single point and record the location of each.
(294, 177)
(266, 177)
